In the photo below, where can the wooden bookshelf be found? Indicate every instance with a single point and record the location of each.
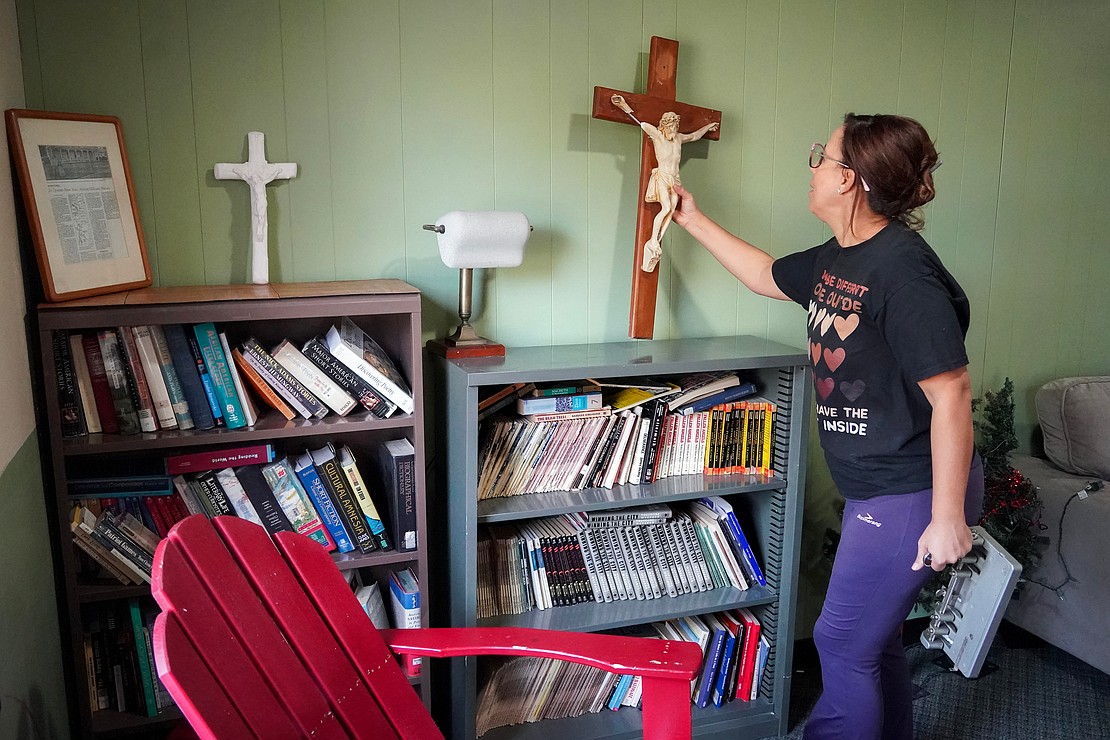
(771, 505)
(388, 310)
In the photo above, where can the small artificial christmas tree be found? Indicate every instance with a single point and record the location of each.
(1011, 505)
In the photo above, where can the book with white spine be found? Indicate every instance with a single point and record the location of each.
(313, 378)
(84, 384)
(171, 378)
(237, 496)
(357, 350)
(155, 383)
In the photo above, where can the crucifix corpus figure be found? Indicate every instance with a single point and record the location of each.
(660, 153)
(257, 173)
(660, 188)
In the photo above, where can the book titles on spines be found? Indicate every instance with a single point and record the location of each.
(146, 378)
(594, 434)
(347, 500)
(734, 657)
(119, 658)
(647, 552)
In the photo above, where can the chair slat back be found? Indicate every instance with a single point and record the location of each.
(322, 583)
(234, 609)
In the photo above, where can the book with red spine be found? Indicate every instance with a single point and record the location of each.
(748, 657)
(229, 457)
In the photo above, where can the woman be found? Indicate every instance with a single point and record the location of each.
(886, 338)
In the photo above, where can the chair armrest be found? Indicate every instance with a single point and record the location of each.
(614, 653)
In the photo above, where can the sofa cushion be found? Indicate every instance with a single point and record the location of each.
(1074, 414)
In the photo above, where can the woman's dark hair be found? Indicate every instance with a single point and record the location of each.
(895, 157)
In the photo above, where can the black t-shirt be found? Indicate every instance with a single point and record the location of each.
(883, 315)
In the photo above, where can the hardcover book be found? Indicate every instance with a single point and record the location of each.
(176, 393)
(126, 414)
(98, 378)
(185, 366)
(327, 467)
(347, 379)
(206, 381)
(265, 503)
(84, 384)
(291, 389)
(357, 350)
(69, 398)
(237, 496)
(261, 387)
(374, 520)
(555, 404)
(313, 378)
(397, 468)
(195, 462)
(295, 503)
(250, 411)
(212, 351)
(140, 390)
(152, 372)
(318, 492)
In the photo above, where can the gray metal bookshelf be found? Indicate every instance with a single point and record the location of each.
(770, 508)
(388, 310)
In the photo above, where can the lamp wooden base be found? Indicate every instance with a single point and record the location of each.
(452, 351)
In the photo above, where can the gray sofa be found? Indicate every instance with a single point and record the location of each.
(1074, 415)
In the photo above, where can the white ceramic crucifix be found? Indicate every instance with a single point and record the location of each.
(257, 172)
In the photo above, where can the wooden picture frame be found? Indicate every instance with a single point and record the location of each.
(80, 202)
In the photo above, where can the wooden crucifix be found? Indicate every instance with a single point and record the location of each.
(657, 100)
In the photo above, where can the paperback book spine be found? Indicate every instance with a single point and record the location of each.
(327, 466)
(290, 388)
(140, 391)
(205, 381)
(126, 414)
(99, 380)
(84, 385)
(69, 399)
(348, 380)
(313, 378)
(176, 393)
(186, 368)
(152, 372)
(318, 492)
(209, 341)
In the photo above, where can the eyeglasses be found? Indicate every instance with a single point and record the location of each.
(817, 153)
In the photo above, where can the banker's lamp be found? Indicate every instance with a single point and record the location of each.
(470, 239)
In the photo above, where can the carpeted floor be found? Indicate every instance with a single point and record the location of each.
(1028, 690)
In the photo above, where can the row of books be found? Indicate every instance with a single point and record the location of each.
(404, 606)
(734, 654)
(520, 690)
(131, 379)
(600, 449)
(119, 659)
(321, 493)
(642, 553)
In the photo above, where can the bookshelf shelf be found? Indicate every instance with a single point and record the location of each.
(595, 617)
(270, 428)
(679, 488)
(771, 508)
(388, 310)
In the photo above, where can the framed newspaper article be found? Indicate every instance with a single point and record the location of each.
(80, 202)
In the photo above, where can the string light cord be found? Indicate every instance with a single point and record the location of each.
(1091, 487)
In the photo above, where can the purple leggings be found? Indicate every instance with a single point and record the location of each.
(867, 692)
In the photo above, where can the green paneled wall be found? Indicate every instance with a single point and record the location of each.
(31, 688)
(399, 111)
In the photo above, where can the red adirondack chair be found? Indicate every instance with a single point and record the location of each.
(269, 642)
